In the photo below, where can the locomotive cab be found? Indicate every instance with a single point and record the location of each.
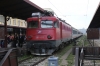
(41, 27)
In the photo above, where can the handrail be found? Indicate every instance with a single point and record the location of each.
(6, 56)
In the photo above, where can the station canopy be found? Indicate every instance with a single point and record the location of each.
(95, 23)
(21, 9)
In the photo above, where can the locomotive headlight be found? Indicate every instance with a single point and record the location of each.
(49, 37)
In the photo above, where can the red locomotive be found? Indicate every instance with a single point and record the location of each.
(46, 33)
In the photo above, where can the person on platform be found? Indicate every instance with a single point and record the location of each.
(21, 40)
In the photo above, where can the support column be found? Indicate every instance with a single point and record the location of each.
(77, 62)
(5, 31)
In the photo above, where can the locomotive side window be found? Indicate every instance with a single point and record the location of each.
(32, 24)
(46, 24)
(56, 24)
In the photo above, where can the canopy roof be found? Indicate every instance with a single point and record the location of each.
(21, 9)
(95, 23)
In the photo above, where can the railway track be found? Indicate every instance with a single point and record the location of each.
(36, 60)
(33, 61)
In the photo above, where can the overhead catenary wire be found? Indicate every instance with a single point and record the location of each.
(55, 8)
(87, 7)
(67, 15)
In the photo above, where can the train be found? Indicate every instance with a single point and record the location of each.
(47, 33)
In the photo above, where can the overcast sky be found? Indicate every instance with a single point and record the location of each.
(77, 13)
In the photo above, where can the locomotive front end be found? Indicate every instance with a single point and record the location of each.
(40, 41)
(41, 36)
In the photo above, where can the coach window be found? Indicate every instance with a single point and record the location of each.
(46, 24)
(32, 24)
(56, 24)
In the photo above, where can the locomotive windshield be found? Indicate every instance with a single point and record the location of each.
(32, 24)
(46, 24)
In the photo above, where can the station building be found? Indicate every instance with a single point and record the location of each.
(14, 25)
